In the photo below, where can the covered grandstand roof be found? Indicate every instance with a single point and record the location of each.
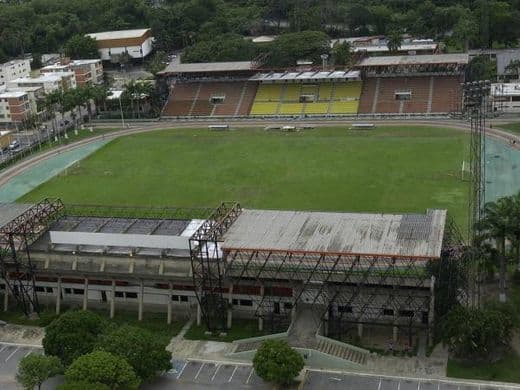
(428, 59)
(309, 75)
(396, 235)
(9, 211)
(235, 66)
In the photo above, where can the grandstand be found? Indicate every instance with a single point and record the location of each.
(426, 84)
(307, 93)
(395, 85)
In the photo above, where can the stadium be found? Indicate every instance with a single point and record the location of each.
(317, 278)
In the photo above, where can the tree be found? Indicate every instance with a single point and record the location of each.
(341, 54)
(497, 225)
(514, 67)
(82, 386)
(394, 41)
(73, 334)
(477, 334)
(81, 47)
(141, 349)
(34, 369)
(481, 68)
(287, 49)
(275, 361)
(225, 47)
(103, 367)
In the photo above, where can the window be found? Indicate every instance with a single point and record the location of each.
(120, 294)
(217, 99)
(184, 298)
(49, 290)
(235, 301)
(407, 95)
(67, 290)
(405, 313)
(77, 291)
(39, 289)
(131, 295)
(246, 302)
(175, 298)
(388, 312)
(287, 305)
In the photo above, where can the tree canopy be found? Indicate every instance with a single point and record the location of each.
(81, 47)
(139, 347)
(73, 334)
(103, 367)
(34, 369)
(275, 361)
(42, 26)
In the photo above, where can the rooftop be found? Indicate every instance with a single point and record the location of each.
(85, 62)
(309, 75)
(403, 47)
(396, 235)
(12, 94)
(428, 59)
(9, 211)
(177, 67)
(122, 34)
(45, 77)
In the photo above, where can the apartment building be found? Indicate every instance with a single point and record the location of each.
(15, 107)
(14, 69)
(50, 82)
(86, 71)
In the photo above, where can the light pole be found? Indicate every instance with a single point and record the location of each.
(324, 58)
(121, 109)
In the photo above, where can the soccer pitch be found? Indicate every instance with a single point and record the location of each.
(388, 169)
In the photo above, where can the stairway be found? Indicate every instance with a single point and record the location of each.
(342, 351)
(376, 95)
(240, 101)
(430, 96)
(195, 99)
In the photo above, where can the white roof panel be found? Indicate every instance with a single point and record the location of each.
(122, 34)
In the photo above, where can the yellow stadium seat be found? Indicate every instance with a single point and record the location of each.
(268, 92)
(350, 107)
(291, 108)
(325, 91)
(264, 108)
(317, 108)
(292, 93)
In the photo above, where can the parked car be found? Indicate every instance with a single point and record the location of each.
(14, 145)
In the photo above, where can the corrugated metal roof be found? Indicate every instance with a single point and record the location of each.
(399, 235)
(121, 34)
(416, 60)
(9, 211)
(176, 67)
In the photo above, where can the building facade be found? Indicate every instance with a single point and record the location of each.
(15, 107)
(136, 43)
(14, 69)
(50, 82)
(87, 72)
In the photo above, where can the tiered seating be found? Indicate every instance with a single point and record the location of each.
(284, 99)
(195, 98)
(447, 94)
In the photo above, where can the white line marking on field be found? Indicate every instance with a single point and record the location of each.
(379, 386)
(182, 370)
(28, 352)
(198, 372)
(399, 385)
(12, 353)
(232, 374)
(4, 347)
(249, 377)
(215, 373)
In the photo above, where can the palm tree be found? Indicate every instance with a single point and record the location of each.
(394, 41)
(514, 233)
(496, 225)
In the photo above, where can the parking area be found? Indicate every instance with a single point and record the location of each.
(10, 356)
(319, 380)
(202, 375)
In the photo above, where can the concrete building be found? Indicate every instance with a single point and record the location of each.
(136, 43)
(15, 107)
(86, 71)
(14, 69)
(49, 82)
(505, 97)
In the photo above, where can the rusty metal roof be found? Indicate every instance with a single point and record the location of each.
(399, 235)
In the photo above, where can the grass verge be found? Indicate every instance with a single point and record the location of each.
(241, 329)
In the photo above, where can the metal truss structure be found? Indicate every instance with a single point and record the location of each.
(206, 264)
(137, 212)
(16, 267)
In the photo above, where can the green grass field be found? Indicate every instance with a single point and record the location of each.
(389, 169)
(511, 127)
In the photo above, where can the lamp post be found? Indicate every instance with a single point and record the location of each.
(324, 58)
(121, 110)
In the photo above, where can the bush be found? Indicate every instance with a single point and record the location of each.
(139, 347)
(82, 386)
(34, 369)
(103, 367)
(477, 334)
(275, 361)
(73, 334)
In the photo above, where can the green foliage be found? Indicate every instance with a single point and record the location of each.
(139, 347)
(82, 386)
(341, 54)
(103, 367)
(275, 361)
(34, 369)
(73, 334)
(157, 62)
(476, 334)
(481, 68)
(227, 47)
(81, 47)
(305, 45)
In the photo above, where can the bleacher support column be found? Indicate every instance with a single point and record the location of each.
(141, 299)
(431, 312)
(58, 296)
(230, 307)
(199, 310)
(170, 303)
(360, 330)
(113, 300)
(85, 294)
(6, 295)
(395, 328)
(260, 318)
